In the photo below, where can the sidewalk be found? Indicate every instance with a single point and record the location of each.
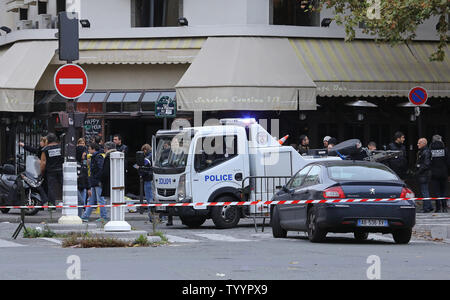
(434, 225)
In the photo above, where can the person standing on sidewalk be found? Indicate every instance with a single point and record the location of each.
(109, 148)
(51, 165)
(95, 192)
(440, 164)
(147, 173)
(399, 164)
(423, 172)
(303, 145)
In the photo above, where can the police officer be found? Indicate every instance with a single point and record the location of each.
(52, 163)
(399, 163)
(423, 172)
(440, 164)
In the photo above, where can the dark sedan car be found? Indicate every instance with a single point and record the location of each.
(345, 179)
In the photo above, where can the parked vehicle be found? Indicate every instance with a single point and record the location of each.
(211, 163)
(345, 179)
(32, 185)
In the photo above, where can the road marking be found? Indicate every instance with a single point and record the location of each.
(177, 239)
(221, 237)
(7, 244)
(71, 81)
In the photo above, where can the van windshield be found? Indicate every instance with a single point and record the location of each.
(172, 152)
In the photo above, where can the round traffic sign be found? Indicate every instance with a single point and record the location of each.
(70, 81)
(418, 95)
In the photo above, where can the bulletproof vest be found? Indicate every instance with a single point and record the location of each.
(54, 157)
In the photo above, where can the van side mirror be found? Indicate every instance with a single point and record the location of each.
(140, 158)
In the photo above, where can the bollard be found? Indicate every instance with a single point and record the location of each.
(117, 177)
(70, 194)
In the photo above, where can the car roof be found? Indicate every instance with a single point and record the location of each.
(330, 163)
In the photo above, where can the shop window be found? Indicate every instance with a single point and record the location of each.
(213, 151)
(131, 101)
(97, 103)
(83, 102)
(154, 13)
(23, 14)
(114, 102)
(295, 12)
(60, 5)
(42, 7)
(149, 100)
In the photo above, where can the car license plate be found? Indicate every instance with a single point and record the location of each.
(372, 223)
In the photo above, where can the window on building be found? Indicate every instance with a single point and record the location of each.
(114, 102)
(60, 5)
(149, 100)
(42, 8)
(83, 102)
(23, 14)
(131, 101)
(154, 13)
(97, 103)
(295, 12)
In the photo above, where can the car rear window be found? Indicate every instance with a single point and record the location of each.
(361, 173)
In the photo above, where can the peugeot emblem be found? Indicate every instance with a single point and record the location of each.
(372, 191)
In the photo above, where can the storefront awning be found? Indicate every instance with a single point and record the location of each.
(138, 51)
(363, 68)
(21, 68)
(246, 73)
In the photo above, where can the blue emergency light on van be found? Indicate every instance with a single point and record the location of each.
(224, 177)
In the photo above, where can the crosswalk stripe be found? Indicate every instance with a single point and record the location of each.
(8, 244)
(221, 237)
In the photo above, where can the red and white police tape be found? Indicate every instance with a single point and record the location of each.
(234, 203)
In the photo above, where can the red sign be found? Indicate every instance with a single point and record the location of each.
(70, 81)
(418, 95)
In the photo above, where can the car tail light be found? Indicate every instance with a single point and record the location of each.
(407, 193)
(334, 192)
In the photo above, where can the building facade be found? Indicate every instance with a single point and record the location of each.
(267, 59)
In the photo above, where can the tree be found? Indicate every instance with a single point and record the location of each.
(390, 21)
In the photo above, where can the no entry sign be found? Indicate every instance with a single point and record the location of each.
(70, 81)
(418, 95)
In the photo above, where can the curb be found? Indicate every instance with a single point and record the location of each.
(437, 231)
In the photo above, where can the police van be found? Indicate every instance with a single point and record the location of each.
(215, 164)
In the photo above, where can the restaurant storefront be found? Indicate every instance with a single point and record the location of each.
(312, 86)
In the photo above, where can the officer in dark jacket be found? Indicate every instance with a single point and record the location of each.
(440, 164)
(52, 164)
(423, 172)
(399, 164)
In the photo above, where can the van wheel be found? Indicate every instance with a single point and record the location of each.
(315, 234)
(225, 217)
(193, 222)
(402, 236)
(4, 210)
(277, 230)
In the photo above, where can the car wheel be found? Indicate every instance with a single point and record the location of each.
(277, 230)
(193, 222)
(402, 236)
(4, 210)
(315, 234)
(225, 217)
(361, 236)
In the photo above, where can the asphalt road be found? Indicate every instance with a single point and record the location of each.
(239, 253)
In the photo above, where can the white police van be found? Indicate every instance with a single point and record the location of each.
(210, 164)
